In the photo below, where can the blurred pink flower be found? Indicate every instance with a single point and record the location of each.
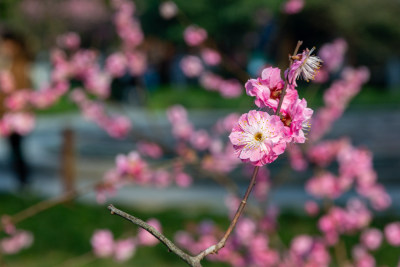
(124, 249)
(311, 207)
(296, 158)
(210, 81)
(137, 63)
(194, 35)
(301, 245)
(230, 88)
(21, 122)
(168, 9)
(18, 100)
(149, 149)
(118, 126)
(19, 240)
(132, 165)
(200, 140)
(392, 233)
(183, 179)
(210, 56)
(102, 243)
(116, 64)
(7, 83)
(191, 66)
(371, 238)
(333, 54)
(69, 40)
(161, 178)
(293, 6)
(324, 185)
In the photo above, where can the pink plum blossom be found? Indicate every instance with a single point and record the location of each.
(258, 138)
(304, 65)
(297, 120)
(69, 40)
(194, 35)
(16, 242)
(168, 9)
(371, 238)
(311, 207)
(296, 158)
(210, 56)
(324, 185)
(117, 126)
(301, 245)
(191, 66)
(183, 179)
(17, 100)
(98, 83)
(137, 63)
(333, 53)
(20, 122)
(103, 243)
(116, 64)
(230, 88)
(293, 6)
(210, 81)
(267, 88)
(161, 178)
(392, 233)
(149, 149)
(133, 166)
(7, 83)
(200, 140)
(124, 249)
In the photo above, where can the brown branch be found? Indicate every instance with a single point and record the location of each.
(168, 243)
(221, 243)
(191, 260)
(299, 43)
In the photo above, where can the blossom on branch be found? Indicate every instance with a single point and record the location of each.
(304, 65)
(258, 137)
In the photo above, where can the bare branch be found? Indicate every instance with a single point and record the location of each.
(299, 43)
(215, 248)
(169, 244)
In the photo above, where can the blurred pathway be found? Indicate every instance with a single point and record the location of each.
(378, 130)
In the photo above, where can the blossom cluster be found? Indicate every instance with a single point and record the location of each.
(16, 240)
(201, 64)
(260, 137)
(104, 245)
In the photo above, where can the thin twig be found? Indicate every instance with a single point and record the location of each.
(169, 244)
(191, 260)
(221, 243)
(299, 43)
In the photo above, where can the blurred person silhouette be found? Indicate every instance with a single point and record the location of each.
(15, 58)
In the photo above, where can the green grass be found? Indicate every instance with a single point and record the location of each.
(64, 232)
(194, 97)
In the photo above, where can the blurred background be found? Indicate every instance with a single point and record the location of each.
(249, 35)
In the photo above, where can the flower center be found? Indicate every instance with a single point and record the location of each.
(287, 120)
(258, 136)
(276, 94)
